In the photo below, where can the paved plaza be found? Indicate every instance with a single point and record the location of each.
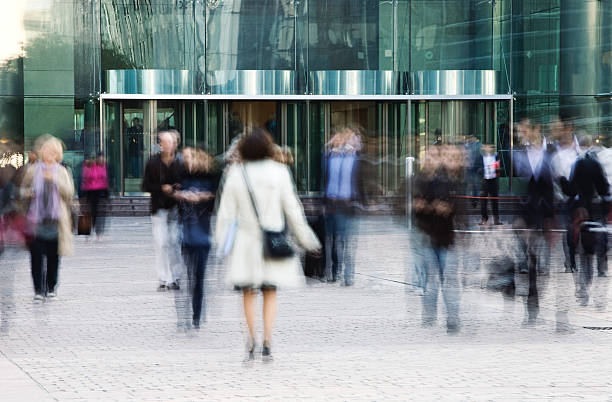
(109, 335)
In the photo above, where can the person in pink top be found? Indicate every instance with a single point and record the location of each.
(95, 186)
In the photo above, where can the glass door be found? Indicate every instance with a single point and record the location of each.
(112, 129)
(465, 123)
(383, 129)
(138, 118)
(295, 138)
(130, 132)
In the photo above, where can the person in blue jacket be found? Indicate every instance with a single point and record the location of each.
(196, 194)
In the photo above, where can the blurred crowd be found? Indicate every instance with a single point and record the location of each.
(559, 192)
(560, 185)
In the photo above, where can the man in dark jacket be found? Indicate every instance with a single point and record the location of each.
(587, 180)
(533, 168)
(162, 173)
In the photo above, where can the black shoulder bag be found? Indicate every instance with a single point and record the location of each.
(275, 243)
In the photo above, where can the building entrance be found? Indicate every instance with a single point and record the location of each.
(391, 131)
(130, 130)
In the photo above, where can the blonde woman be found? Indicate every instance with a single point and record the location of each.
(198, 187)
(278, 207)
(283, 155)
(49, 188)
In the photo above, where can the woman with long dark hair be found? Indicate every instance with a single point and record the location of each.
(259, 194)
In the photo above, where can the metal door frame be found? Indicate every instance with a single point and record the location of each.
(407, 100)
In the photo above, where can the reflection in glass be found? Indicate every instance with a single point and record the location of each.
(147, 35)
(254, 114)
(452, 35)
(346, 34)
(250, 35)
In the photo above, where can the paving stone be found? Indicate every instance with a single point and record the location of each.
(110, 335)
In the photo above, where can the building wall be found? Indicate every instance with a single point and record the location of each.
(554, 55)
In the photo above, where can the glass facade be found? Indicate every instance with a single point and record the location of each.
(554, 57)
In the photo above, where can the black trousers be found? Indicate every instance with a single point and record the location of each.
(195, 260)
(96, 199)
(40, 248)
(490, 188)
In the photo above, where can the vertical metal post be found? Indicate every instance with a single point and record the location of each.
(384, 148)
(308, 164)
(225, 128)
(205, 133)
(283, 139)
(409, 176)
(511, 142)
(327, 119)
(121, 150)
(194, 120)
(410, 154)
(102, 130)
(395, 59)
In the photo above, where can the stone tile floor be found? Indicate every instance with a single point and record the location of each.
(109, 335)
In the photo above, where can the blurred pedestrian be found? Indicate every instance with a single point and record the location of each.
(7, 205)
(161, 177)
(95, 187)
(561, 163)
(342, 189)
(434, 207)
(588, 180)
(488, 166)
(20, 173)
(283, 155)
(198, 186)
(533, 169)
(259, 195)
(49, 188)
(473, 178)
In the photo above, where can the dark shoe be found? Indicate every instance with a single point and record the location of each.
(266, 353)
(251, 350)
(196, 324)
(483, 222)
(174, 286)
(498, 222)
(452, 328)
(162, 288)
(583, 301)
(428, 323)
(564, 328)
(529, 323)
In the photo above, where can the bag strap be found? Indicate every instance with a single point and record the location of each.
(250, 191)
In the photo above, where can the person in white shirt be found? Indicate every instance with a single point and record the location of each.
(488, 165)
(561, 164)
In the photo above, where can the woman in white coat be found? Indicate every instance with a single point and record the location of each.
(277, 205)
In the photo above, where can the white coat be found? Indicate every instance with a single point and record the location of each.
(277, 202)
